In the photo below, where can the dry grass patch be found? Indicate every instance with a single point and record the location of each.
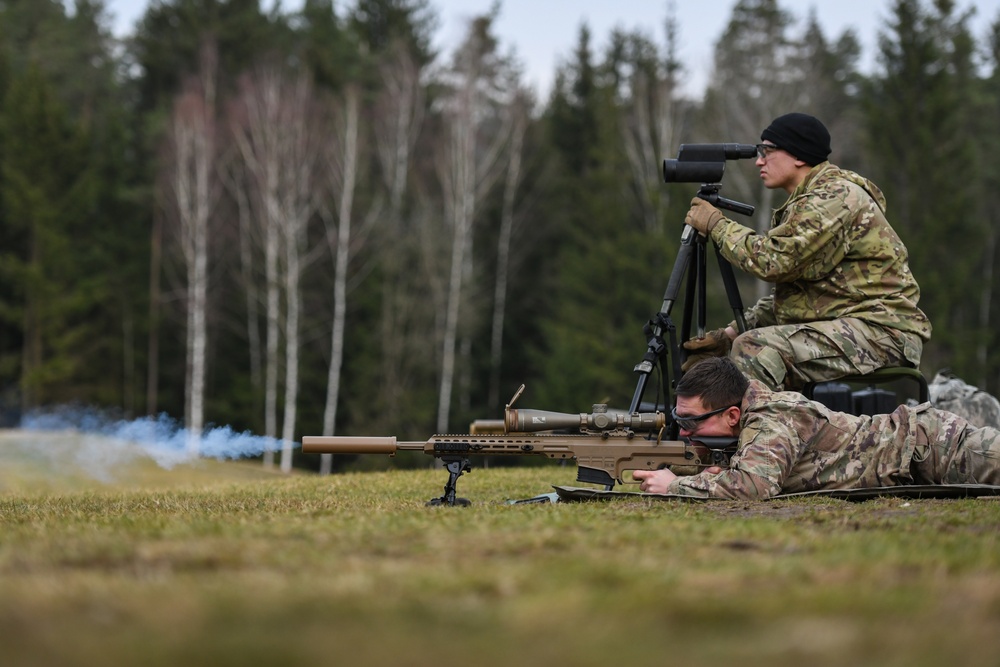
(355, 569)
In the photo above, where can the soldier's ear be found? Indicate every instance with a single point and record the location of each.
(733, 416)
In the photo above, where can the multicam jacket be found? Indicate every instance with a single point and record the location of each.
(831, 254)
(789, 444)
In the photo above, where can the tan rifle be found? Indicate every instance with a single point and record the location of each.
(606, 445)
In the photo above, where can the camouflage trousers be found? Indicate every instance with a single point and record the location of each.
(789, 356)
(949, 450)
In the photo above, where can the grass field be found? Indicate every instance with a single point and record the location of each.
(215, 563)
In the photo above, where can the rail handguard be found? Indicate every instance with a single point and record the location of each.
(605, 448)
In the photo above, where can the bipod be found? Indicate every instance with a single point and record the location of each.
(456, 465)
(693, 246)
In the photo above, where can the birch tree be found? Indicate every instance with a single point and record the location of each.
(194, 194)
(520, 110)
(248, 241)
(272, 128)
(478, 125)
(298, 162)
(342, 172)
(398, 117)
(254, 126)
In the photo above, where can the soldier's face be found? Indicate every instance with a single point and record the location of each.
(720, 423)
(779, 169)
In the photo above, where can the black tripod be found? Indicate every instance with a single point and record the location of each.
(658, 349)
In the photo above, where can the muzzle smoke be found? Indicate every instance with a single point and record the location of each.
(106, 441)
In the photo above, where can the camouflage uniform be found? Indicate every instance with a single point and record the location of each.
(947, 392)
(844, 301)
(789, 444)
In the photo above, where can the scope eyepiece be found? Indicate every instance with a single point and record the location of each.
(716, 152)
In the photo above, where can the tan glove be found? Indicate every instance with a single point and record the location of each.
(716, 343)
(703, 216)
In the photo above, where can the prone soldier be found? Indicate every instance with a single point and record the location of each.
(789, 444)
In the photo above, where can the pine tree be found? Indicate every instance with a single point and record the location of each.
(72, 56)
(988, 168)
(382, 25)
(607, 270)
(44, 187)
(167, 43)
(919, 123)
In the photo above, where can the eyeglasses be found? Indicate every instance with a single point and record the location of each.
(765, 150)
(691, 423)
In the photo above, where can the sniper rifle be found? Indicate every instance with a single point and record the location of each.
(607, 444)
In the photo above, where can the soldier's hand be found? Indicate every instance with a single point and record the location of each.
(716, 343)
(703, 216)
(654, 481)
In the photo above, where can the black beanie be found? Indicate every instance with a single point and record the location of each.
(801, 135)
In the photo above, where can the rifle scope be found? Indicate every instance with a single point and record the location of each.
(602, 419)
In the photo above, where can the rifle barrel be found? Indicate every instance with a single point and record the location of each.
(329, 444)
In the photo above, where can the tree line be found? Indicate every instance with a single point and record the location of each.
(312, 223)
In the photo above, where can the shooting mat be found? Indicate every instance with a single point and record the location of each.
(573, 494)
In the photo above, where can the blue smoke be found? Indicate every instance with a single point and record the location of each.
(162, 438)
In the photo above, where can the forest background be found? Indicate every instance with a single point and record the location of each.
(310, 223)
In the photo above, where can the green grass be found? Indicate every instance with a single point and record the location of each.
(226, 564)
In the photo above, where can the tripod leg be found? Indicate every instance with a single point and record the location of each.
(655, 347)
(702, 298)
(690, 297)
(732, 290)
